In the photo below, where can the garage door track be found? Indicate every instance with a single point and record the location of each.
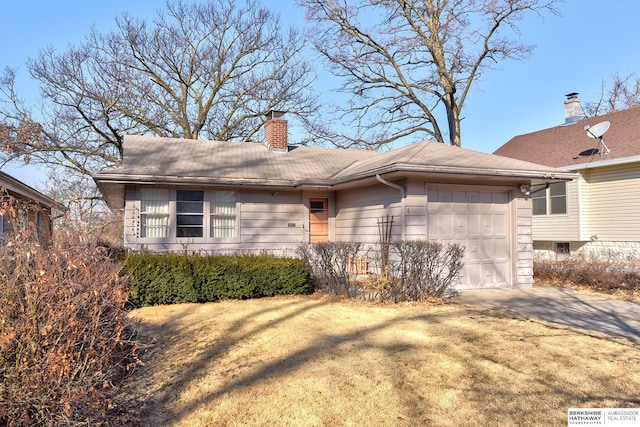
(563, 306)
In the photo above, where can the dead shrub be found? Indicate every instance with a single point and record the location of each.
(65, 343)
(427, 269)
(410, 270)
(602, 271)
(330, 263)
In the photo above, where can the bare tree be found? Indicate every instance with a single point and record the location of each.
(203, 70)
(408, 63)
(618, 93)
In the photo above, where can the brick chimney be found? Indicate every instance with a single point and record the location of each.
(572, 108)
(276, 131)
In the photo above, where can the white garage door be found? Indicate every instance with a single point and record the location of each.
(479, 221)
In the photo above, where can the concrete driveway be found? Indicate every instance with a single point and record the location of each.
(564, 307)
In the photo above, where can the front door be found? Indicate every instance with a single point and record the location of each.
(318, 220)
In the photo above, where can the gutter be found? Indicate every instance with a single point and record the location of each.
(403, 195)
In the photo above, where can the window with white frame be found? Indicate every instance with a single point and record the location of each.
(222, 215)
(189, 213)
(550, 201)
(154, 213)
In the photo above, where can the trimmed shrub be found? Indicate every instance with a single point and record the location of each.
(165, 279)
(171, 278)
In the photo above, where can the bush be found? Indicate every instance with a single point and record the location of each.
(330, 264)
(64, 340)
(165, 279)
(605, 272)
(172, 278)
(427, 269)
(411, 270)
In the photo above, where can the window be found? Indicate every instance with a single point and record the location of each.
(563, 248)
(154, 212)
(189, 213)
(550, 201)
(558, 198)
(223, 215)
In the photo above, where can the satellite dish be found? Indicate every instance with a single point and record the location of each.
(596, 131)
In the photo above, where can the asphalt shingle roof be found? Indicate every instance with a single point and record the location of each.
(568, 145)
(154, 157)
(179, 161)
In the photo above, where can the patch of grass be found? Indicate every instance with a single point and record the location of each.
(303, 361)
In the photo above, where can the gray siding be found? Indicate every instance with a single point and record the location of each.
(271, 219)
(265, 220)
(359, 210)
(524, 242)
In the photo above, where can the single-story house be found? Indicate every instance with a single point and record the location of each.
(599, 210)
(218, 196)
(36, 209)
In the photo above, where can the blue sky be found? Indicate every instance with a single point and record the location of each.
(591, 40)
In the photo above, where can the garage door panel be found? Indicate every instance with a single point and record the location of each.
(486, 225)
(500, 249)
(474, 221)
(499, 224)
(477, 220)
(472, 250)
(471, 274)
(460, 224)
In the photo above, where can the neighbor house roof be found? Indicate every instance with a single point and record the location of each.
(179, 161)
(568, 147)
(21, 189)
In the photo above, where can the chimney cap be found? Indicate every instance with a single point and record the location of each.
(572, 95)
(274, 114)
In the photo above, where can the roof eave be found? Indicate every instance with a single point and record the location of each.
(601, 163)
(18, 187)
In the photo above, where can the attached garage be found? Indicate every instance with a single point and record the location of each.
(479, 221)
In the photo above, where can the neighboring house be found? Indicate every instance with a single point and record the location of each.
(600, 210)
(35, 210)
(230, 196)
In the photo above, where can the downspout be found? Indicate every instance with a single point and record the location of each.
(403, 195)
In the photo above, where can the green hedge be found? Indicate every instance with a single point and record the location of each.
(173, 278)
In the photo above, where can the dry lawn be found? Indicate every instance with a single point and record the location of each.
(313, 361)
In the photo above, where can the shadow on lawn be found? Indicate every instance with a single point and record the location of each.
(478, 387)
